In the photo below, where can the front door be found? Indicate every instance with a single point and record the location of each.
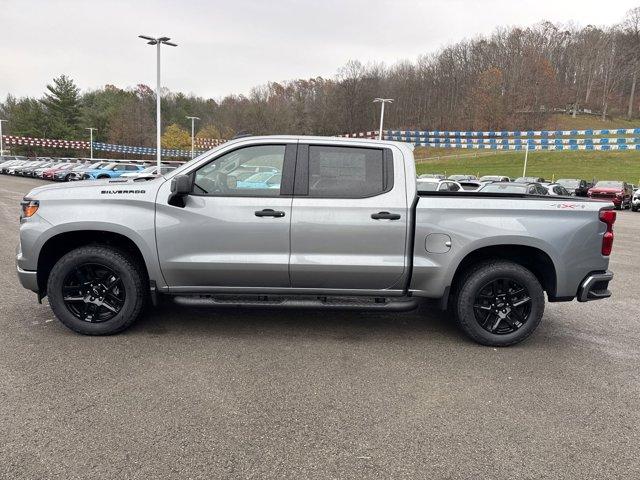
(233, 231)
(349, 219)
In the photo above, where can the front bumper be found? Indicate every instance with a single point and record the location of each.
(594, 286)
(28, 279)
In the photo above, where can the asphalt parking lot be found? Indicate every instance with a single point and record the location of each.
(310, 394)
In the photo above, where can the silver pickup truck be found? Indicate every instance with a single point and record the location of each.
(321, 222)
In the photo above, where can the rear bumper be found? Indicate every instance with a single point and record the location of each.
(594, 286)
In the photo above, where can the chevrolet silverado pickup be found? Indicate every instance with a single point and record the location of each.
(341, 225)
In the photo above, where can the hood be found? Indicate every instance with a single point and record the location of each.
(605, 190)
(87, 188)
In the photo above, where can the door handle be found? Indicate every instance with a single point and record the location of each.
(269, 212)
(385, 216)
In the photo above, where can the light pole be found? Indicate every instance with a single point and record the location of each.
(1, 148)
(91, 129)
(158, 41)
(193, 119)
(382, 101)
(526, 157)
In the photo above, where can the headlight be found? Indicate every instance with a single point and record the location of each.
(29, 207)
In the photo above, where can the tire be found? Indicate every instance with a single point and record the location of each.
(111, 310)
(102, 177)
(473, 301)
(634, 208)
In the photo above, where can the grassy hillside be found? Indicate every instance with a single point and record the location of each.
(602, 165)
(584, 122)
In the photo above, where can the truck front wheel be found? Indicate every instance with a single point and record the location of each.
(96, 290)
(499, 303)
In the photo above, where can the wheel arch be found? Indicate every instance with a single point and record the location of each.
(529, 257)
(58, 245)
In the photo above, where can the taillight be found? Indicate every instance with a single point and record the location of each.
(609, 218)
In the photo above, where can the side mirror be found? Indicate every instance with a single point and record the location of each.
(180, 188)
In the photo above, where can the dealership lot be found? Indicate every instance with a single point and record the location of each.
(312, 394)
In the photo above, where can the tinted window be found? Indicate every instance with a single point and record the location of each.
(224, 176)
(345, 172)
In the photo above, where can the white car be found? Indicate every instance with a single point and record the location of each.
(635, 203)
(148, 172)
(437, 185)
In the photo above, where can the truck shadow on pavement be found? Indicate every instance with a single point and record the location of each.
(427, 321)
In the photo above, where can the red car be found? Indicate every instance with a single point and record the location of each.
(620, 193)
(49, 174)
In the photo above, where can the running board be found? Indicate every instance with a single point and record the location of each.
(334, 302)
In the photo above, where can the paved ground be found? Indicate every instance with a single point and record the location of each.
(300, 394)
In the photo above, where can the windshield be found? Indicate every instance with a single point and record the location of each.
(609, 184)
(568, 183)
(503, 188)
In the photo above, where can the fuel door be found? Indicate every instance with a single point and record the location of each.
(437, 243)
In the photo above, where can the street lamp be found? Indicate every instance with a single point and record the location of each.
(382, 101)
(1, 149)
(193, 119)
(91, 129)
(158, 41)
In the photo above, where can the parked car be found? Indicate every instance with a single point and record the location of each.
(75, 173)
(148, 172)
(39, 172)
(556, 189)
(635, 202)
(17, 170)
(11, 163)
(494, 178)
(530, 180)
(574, 186)
(458, 178)
(472, 185)
(437, 185)
(346, 229)
(49, 173)
(528, 188)
(615, 191)
(112, 170)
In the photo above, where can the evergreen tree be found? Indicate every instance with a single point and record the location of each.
(62, 102)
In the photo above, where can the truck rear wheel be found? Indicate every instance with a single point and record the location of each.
(499, 303)
(96, 290)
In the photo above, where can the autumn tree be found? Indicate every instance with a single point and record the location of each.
(176, 136)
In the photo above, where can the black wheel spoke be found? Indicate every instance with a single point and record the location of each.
(521, 301)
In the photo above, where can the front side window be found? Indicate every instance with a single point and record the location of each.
(254, 171)
(346, 172)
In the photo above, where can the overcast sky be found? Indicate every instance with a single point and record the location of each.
(230, 46)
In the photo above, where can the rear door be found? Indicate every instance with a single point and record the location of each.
(349, 218)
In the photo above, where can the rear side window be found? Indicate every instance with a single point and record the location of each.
(347, 172)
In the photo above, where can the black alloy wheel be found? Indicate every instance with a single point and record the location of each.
(502, 306)
(93, 292)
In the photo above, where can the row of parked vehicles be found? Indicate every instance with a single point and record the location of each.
(73, 169)
(622, 194)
